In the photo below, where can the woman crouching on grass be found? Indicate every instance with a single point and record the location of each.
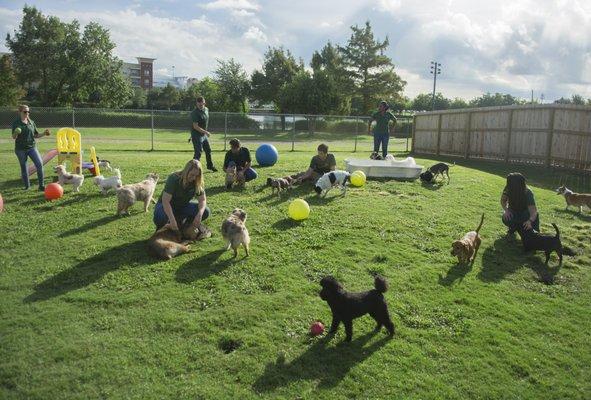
(175, 206)
(519, 205)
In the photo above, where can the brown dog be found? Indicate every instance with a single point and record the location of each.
(143, 191)
(233, 177)
(575, 199)
(234, 231)
(279, 183)
(467, 247)
(167, 243)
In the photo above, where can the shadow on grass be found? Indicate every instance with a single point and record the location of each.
(575, 213)
(285, 224)
(506, 256)
(455, 273)
(327, 365)
(432, 186)
(91, 270)
(90, 225)
(202, 267)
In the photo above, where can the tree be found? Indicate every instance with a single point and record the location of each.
(10, 91)
(310, 94)
(233, 84)
(330, 61)
(64, 65)
(209, 89)
(458, 103)
(574, 99)
(138, 99)
(424, 101)
(371, 70)
(164, 98)
(497, 99)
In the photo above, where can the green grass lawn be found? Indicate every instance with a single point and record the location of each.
(85, 313)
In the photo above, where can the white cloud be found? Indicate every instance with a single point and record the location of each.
(254, 33)
(231, 5)
(9, 21)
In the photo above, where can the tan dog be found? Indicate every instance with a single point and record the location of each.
(167, 243)
(234, 231)
(279, 183)
(233, 177)
(64, 177)
(575, 199)
(127, 195)
(467, 247)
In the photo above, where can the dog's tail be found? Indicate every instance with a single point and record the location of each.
(380, 284)
(481, 221)
(557, 231)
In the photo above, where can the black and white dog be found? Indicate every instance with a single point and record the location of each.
(330, 180)
(431, 173)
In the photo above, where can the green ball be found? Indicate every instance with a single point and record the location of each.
(18, 131)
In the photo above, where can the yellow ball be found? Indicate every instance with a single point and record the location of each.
(358, 178)
(18, 131)
(298, 210)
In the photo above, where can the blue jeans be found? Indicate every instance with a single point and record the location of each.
(188, 213)
(382, 138)
(519, 218)
(200, 143)
(249, 174)
(22, 156)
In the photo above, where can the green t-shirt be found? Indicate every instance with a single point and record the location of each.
(181, 196)
(529, 199)
(26, 139)
(201, 117)
(382, 120)
(323, 166)
(240, 159)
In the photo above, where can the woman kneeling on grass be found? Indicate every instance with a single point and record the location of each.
(519, 205)
(175, 206)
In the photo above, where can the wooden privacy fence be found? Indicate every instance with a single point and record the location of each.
(554, 135)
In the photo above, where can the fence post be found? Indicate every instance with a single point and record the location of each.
(356, 133)
(152, 124)
(73, 118)
(439, 132)
(293, 134)
(467, 140)
(225, 129)
(550, 137)
(414, 124)
(509, 133)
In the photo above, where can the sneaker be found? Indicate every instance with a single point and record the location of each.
(212, 169)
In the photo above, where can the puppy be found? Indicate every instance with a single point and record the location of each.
(432, 172)
(346, 306)
(127, 195)
(105, 164)
(467, 247)
(167, 243)
(233, 177)
(533, 240)
(234, 231)
(64, 177)
(376, 156)
(575, 199)
(330, 180)
(112, 182)
(195, 234)
(279, 184)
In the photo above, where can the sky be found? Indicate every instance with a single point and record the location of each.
(506, 46)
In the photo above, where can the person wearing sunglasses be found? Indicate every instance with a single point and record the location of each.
(24, 133)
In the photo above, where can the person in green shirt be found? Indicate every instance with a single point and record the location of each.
(320, 164)
(519, 205)
(199, 133)
(239, 157)
(175, 206)
(381, 132)
(24, 133)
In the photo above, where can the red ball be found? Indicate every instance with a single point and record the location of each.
(53, 191)
(317, 328)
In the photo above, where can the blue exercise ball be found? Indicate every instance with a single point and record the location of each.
(267, 155)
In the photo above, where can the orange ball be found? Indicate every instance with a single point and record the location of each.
(53, 191)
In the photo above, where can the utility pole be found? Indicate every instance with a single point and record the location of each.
(173, 72)
(435, 70)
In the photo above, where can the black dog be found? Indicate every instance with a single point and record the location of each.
(347, 306)
(431, 173)
(533, 240)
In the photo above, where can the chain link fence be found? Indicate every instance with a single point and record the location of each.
(170, 130)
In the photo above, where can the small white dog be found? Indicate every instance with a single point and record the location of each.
(112, 182)
(142, 191)
(332, 179)
(66, 178)
(105, 164)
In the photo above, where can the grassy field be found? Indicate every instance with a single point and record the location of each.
(87, 314)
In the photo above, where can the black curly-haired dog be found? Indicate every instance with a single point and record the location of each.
(346, 306)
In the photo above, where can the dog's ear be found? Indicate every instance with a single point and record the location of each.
(332, 178)
(318, 189)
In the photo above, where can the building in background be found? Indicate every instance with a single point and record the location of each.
(140, 74)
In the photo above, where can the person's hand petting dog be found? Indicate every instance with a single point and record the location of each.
(507, 215)
(527, 225)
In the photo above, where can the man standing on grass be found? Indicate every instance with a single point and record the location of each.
(381, 132)
(199, 133)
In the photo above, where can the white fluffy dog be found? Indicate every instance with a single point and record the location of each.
(330, 180)
(112, 182)
(105, 164)
(141, 191)
(66, 178)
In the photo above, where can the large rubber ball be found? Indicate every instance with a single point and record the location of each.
(53, 191)
(267, 155)
(298, 210)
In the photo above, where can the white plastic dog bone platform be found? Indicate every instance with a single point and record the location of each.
(388, 168)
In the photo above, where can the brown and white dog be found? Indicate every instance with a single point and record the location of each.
(467, 247)
(167, 243)
(142, 191)
(233, 177)
(575, 199)
(279, 183)
(234, 231)
(64, 177)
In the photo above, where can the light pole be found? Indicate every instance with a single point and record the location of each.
(435, 70)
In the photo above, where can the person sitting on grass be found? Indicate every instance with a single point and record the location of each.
(175, 206)
(519, 205)
(320, 164)
(239, 157)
